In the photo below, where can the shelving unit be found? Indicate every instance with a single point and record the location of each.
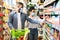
(1, 24)
(51, 32)
(47, 2)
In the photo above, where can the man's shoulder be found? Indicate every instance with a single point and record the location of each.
(24, 14)
(12, 13)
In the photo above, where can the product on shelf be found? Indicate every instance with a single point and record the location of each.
(1, 14)
(1, 29)
(54, 33)
(1, 37)
(52, 13)
(1, 18)
(59, 36)
(1, 26)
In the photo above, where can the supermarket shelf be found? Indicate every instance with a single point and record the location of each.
(43, 13)
(57, 28)
(49, 34)
(47, 37)
(48, 2)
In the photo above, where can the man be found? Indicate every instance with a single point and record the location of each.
(18, 18)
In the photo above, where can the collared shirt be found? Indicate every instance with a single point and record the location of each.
(19, 21)
(31, 25)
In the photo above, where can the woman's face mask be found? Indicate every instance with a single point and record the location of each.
(33, 14)
(21, 10)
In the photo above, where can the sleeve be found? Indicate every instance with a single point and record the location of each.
(10, 20)
(31, 20)
(27, 24)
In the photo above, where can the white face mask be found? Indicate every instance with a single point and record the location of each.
(21, 10)
(33, 14)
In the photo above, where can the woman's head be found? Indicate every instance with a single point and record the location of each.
(32, 11)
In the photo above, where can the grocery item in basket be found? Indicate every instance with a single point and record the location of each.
(13, 33)
(18, 33)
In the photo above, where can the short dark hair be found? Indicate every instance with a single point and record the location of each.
(20, 3)
(31, 8)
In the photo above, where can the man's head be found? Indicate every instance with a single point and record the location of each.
(19, 5)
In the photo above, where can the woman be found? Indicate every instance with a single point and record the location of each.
(33, 35)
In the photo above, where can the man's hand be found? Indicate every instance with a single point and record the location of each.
(42, 23)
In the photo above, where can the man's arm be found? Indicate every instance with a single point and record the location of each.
(10, 20)
(32, 21)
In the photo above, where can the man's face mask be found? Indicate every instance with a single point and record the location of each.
(20, 10)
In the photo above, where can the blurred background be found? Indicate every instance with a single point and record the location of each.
(45, 9)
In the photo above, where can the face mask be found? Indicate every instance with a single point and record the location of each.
(20, 10)
(33, 14)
